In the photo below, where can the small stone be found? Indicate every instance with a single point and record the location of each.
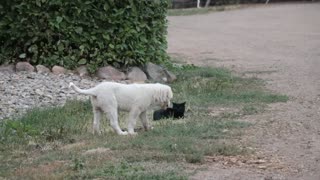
(42, 69)
(110, 73)
(261, 161)
(24, 66)
(233, 160)
(58, 70)
(39, 92)
(82, 71)
(262, 167)
(268, 178)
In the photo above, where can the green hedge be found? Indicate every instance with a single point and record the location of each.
(94, 32)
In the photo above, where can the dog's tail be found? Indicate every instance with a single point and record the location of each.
(81, 91)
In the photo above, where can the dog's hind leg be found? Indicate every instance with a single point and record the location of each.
(97, 113)
(144, 121)
(112, 114)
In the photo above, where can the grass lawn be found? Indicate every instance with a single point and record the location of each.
(56, 142)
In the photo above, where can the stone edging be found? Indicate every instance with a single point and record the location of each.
(151, 72)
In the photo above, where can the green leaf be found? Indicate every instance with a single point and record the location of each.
(106, 7)
(106, 36)
(60, 47)
(38, 3)
(82, 61)
(54, 57)
(79, 30)
(82, 47)
(23, 55)
(111, 46)
(59, 19)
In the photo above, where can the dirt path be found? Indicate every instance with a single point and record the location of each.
(281, 44)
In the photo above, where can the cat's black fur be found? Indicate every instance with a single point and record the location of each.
(177, 111)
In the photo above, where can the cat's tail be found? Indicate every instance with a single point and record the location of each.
(82, 91)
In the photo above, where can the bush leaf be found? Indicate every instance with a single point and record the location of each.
(82, 61)
(59, 19)
(23, 55)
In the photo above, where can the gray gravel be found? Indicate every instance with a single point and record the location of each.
(24, 90)
(281, 44)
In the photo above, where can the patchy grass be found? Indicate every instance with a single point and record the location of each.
(194, 11)
(53, 143)
(208, 86)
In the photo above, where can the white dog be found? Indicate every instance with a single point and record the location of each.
(109, 97)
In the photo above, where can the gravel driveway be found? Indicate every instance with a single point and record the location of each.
(281, 44)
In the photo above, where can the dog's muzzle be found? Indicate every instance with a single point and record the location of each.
(165, 105)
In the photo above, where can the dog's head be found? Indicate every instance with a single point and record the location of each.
(162, 96)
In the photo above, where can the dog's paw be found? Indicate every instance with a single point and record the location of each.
(133, 133)
(149, 128)
(96, 132)
(123, 133)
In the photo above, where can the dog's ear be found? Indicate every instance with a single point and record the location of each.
(170, 94)
(162, 94)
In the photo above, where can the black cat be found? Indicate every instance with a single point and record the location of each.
(177, 111)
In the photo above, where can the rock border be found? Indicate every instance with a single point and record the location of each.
(149, 73)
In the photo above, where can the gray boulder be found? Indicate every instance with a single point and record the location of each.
(42, 69)
(82, 71)
(135, 74)
(110, 73)
(7, 68)
(58, 70)
(159, 74)
(24, 66)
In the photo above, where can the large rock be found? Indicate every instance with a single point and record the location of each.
(7, 68)
(82, 71)
(135, 74)
(42, 69)
(110, 73)
(159, 74)
(58, 70)
(24, 66)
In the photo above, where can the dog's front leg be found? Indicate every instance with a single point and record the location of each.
(132, 119)
(144, 120)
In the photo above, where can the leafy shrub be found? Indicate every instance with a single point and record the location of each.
(92, 32)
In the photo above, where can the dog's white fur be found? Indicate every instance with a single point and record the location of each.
(109, 97)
